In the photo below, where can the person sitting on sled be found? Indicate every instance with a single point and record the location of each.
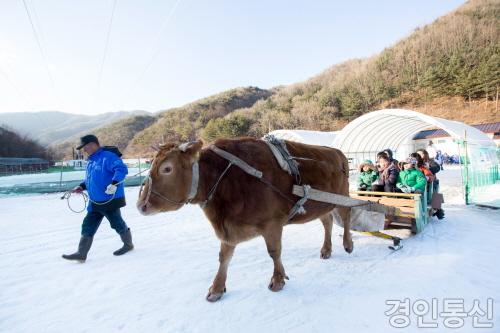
(388, 175)
(422, 167)
(431, 165)
(367, 175)
(411, 180)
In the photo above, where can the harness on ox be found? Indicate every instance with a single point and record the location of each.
(284, 160)
(374, 211)
(283, 156)
(289, 164)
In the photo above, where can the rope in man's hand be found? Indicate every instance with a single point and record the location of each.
(110, 190)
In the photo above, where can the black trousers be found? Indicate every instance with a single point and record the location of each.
(93, 220)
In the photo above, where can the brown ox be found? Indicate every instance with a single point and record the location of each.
(243, 206)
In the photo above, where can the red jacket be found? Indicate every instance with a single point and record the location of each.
(428, 174)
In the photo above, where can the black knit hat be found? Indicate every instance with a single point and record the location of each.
(87, 139)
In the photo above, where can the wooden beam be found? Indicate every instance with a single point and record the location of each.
(396, 202)
(387, 194)
(345, 201)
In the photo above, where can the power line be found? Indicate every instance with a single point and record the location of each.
(96, 96)
(38, 24)
(154, 52)
(44, 58)
(46, 63)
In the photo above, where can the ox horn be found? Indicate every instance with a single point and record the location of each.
(186, 145)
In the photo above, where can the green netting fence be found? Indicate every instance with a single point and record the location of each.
(480, 174)
(51, 182)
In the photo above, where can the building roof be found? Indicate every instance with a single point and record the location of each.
(440, 133)
(489, 127)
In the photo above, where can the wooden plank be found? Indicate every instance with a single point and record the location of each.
(397, 202)
(406, 211)
(344, 201)
(388, 194)
(401, 220)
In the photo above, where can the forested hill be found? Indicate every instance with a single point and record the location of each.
(449, 68)
(13, 144)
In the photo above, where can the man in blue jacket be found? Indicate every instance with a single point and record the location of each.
(103, 182)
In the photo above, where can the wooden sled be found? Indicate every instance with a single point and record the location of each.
(401, 210)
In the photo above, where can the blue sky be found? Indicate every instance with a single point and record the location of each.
(163, 54)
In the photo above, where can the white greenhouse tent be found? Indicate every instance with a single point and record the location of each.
(395, 129)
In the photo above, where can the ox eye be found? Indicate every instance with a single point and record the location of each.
(168, 169)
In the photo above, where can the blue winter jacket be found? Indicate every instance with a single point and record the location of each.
(103, 168)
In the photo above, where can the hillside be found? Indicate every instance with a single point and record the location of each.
(118, 134)
(50, 127)
(187, 122)
(13, 144)
(452, 62)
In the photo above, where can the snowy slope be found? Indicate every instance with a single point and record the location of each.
(161, 285)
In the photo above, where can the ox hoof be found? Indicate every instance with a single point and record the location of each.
(215, 296)
(325, 254)
(277, 283)
(348, 249)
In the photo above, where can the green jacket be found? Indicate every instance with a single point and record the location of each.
(413, 178)
(367, 178)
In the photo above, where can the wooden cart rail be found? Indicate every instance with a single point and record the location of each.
(411, 208)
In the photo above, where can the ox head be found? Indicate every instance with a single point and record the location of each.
(171, 178)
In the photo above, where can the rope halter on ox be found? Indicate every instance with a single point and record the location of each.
(194, 183)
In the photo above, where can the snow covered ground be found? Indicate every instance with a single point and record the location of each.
(161, 285)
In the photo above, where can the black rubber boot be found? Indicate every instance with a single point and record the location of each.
(127, 243)
(83, 249)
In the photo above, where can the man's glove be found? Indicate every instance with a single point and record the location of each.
(77, 189)
(111, 189)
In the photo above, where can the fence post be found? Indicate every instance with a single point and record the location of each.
(463, 161)
(140, 174)
(61, 174)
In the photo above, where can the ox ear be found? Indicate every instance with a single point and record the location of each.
(192, 147)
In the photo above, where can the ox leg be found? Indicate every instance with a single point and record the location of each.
(273, 243)
(219, 285)
(326, 249)
(345, 214)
